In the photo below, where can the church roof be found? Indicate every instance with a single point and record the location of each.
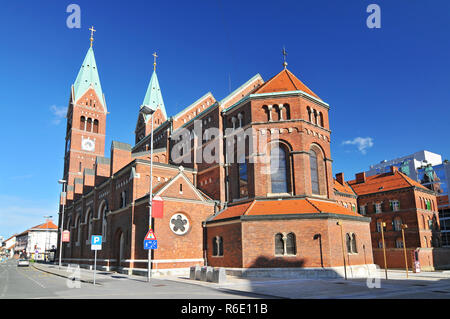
(88, 77)
(153, 97)
(284, 81)
(283, 207)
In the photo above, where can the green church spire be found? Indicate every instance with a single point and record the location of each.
(153, 97)
(88, 75)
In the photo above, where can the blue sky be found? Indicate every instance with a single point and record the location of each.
(389, 87)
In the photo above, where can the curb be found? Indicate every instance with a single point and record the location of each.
(64, 276)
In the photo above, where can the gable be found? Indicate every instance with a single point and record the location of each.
(180, 187)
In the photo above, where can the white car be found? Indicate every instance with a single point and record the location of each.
(23, 263)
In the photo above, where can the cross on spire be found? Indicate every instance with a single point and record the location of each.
(92, 34)
(284, 57)
(154, 61)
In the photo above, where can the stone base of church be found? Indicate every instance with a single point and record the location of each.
(357, 271)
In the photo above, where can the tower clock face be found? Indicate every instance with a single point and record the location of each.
(88, 145)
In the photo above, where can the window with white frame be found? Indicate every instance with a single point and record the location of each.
(378, 208)
(395, 205)
(397, 224)
(362, 209)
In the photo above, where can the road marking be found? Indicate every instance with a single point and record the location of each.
(38, 283)
(6, 285)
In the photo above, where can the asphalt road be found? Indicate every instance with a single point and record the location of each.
(28, 282)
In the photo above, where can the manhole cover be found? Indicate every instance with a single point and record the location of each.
(340, 283)
(420, 285)
(159, 285)
(119, 277)
(441, 291)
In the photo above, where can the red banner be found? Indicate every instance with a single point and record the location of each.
(157, 207)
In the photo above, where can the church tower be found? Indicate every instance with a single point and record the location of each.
(86, 122)
(153, 99)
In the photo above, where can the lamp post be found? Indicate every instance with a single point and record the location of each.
(404, 226)
(47, 219)
(383, 224)
(63, 182)
(147, 110)
(343, 248)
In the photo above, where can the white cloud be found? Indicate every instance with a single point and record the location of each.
(59, 113)
(363, 143)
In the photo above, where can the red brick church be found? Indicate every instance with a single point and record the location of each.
(261, 206)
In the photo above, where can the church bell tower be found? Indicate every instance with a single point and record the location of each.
(86, 122)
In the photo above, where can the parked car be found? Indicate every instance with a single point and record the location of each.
(23, 263)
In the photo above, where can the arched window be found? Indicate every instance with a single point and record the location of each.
(243, 177)
(82, 123)
(89, 125)
(354, 246)
(348, 241)
(279, 244)
(285, 245)
(102, 214)
(314, 172)
(78, 225)
(90, 227)
(317, 167)
(290, 244)
(95, 126)
(123, 199)
(320, 119)
(217, 246)
(309, 114)
(279, 170)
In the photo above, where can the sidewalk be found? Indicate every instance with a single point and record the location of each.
(285, 287)
(85, 275)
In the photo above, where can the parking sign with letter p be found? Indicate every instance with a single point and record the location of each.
(96, 242)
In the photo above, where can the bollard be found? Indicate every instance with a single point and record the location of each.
(219, 275)
(197, 272)
(192, 273)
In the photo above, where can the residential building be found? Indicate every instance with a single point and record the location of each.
(395, 199)
(38, 241)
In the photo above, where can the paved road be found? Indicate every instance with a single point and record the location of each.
(28, 282)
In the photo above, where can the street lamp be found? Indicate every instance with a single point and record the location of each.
(64, 195)
(404, 226)
(343, 248)
(383, 224)
(47, 219)
(149, 111)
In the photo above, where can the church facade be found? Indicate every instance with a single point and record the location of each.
(246, 182)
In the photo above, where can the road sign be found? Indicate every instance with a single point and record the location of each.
(150, 235)
(150, 244)
(96, 242)
(66, 236)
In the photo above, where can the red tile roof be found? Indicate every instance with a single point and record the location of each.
(283, 82)
(47, 225)
(384, 182)
(346, 189)
(284, 207)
